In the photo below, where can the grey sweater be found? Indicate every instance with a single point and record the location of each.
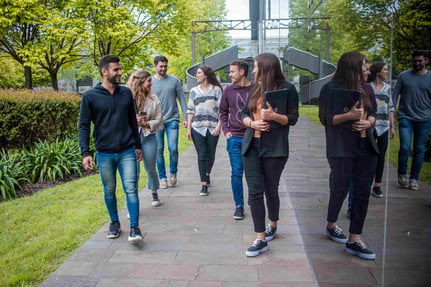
(168, 90)
(415, 100)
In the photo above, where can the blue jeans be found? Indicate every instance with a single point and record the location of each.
(149, 150)
(420, 131)
(171, 129)
(234, 145)
(125, 162)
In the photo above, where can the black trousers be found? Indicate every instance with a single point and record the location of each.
(382, 143)
(363, 170)
(206, 149)
(263, 177)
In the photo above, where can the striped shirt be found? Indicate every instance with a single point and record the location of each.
(205, 108)
(384, 107)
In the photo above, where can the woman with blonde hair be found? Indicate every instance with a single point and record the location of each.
(149, 118)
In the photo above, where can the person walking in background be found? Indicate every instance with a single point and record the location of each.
(414, 117)
(168, 89)
(384, 127)
(265, 146)
(150, 121)
(232, 102)
(351, 150)
(203, 125)
(111, 108)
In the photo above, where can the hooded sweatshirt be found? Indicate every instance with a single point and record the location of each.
(114, 119)
(232, 102)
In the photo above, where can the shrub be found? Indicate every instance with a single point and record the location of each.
(51, 161)
(28, 116)
(12, 175)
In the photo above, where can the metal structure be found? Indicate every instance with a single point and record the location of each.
(271, 24)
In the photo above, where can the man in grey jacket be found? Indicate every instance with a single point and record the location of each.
(414, 117)
(168, 89)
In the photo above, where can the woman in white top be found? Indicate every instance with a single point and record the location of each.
(203, 121)
(149, 118)
(384, 127)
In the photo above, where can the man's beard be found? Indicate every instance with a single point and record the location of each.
(113, 79)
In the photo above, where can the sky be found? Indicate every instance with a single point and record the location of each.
(239, 10)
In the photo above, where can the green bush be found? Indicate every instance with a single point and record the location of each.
(12, 175)
(52, 161)
(28, 116)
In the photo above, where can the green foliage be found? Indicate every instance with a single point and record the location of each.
(51, 161)
(28, 116)
(12, 175)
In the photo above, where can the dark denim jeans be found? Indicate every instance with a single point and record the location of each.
(420, 132)
(234, 145)
(171, 130)
(125, 162)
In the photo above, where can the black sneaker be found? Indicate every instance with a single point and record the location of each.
(114, 230)
(336, 234)
(270, 232)
(239, 213)
(377, 192)
(259, 246)
(349, 213)
(156, 200)
(135, 234)
(208, 180)
(359, 249)
(204, 190)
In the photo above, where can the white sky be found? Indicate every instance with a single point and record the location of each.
(239, 10)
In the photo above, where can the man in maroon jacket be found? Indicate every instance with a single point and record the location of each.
(232, 102)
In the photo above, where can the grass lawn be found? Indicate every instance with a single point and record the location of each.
(41, 231)
(312, 113)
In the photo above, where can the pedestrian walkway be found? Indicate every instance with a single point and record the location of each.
(193, 241)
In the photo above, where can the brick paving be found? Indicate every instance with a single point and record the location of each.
(193, 241)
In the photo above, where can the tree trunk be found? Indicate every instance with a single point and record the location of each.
(28, 78)
(54, 80)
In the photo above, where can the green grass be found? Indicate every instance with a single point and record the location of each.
(41, 231)
(394, 145)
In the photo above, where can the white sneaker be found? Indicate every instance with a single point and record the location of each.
(163, 183)
(156, 200)
(413, 184)
(172, 180)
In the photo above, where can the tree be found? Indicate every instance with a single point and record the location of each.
(206, 43)
(19, 28)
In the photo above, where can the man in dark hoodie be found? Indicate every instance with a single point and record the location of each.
(232, 102)
(112, 110)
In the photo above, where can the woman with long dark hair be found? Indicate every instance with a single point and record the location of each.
(203, 121)
(350, 148)
(265, 146)
(384, 128)
(150, 121)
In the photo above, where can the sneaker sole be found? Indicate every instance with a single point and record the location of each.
(256, 253)
(377, 195)
(113, 236)
(413, 188)
(163, 186)
(156, 203)
(203, 194)
(135, 239)
(238, 217)
(359, 254)
(269, 238)
(335, 239)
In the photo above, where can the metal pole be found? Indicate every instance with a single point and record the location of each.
(327, 41)
(193, 49)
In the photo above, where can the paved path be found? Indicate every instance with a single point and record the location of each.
(193, 241)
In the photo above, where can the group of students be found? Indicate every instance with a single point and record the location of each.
(257, 138)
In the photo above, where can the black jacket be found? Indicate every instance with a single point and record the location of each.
(274, 143)
(341, 140)
(114, 119)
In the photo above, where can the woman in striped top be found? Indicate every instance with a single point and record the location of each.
(203, 121)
